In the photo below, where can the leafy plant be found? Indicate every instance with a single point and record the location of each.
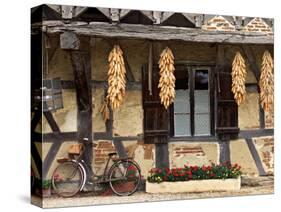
(46, 184)
(214, 171)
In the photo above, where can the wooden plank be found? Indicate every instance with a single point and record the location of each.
(155, 32)
(69, 40)
(120, 148)
(256, 133)
(115, 14)
(36, 118)
(248, 52)
(67, 11)
(69, 84)
(150, 66)
(192, 104)
(224, 151)
(255, 156)
(36, 157)
(55, 146)
(162, 155)
(82, 75)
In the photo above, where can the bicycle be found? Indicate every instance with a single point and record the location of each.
(71, 175)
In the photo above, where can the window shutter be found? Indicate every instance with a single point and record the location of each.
(227, 109)
(156, 117)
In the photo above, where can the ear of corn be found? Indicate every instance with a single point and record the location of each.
(116, 77)
(266, 82)
(104, 110)
(167, 78)
(238, 78)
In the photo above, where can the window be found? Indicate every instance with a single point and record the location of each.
(192, 106)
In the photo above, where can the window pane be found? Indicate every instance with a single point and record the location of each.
(181, 104)
(182, 125)
(202, 124)
(201, 101)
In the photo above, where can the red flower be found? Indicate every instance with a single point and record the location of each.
(188, 172)
(209, 168)
(195, 168)
(204, 168)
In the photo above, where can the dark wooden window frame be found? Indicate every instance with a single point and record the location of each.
(190, 68)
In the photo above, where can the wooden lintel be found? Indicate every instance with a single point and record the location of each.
(156, 32)
(69, 84)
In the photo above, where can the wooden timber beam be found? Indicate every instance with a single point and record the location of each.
(69, 84)
(81, 67)
(255, 156)
(248, 52)
(224, 150)
(156, 32)
(82, 75)
(55, 146)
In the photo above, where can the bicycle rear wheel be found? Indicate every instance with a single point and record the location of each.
(124, 178)
(67, 179)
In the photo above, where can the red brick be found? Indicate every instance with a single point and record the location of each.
(218, 20)
(211, 27)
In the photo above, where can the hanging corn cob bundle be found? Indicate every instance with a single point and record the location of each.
(238, 78)
(104, 110)
(167, 78)
(266, 82)
(116, 77)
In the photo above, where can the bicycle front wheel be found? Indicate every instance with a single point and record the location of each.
(67, 179)
(124, 178)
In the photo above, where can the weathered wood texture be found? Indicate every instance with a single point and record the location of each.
(224, 151)
(69, 84)
(156, 117)
(120, 149)
(227, 109)
(162, 155)
(249, 54)
(55, 146)
(82, 75)
(256, 156)
(156, 32)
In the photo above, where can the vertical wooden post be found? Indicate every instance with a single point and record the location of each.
(162, 155)
(81, 67)
(224, 151)
(82, 80)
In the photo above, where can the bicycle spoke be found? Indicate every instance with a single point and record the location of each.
(67, 179)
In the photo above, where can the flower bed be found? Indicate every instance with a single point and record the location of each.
(223, 177)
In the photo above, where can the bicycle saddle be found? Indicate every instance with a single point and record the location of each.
(112, 153)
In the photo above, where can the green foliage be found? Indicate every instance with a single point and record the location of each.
(220, 171)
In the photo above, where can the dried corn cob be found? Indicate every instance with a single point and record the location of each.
(104, 110)
(116, 77)
(238, 78)
(266, 82)
(167, 78)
